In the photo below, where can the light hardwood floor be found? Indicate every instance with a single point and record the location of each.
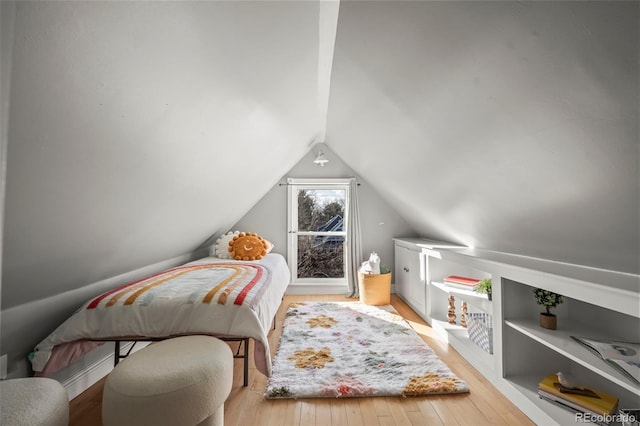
(246, 406)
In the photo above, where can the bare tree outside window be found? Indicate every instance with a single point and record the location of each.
(320, 217)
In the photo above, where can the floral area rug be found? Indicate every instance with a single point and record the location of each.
(349, 349)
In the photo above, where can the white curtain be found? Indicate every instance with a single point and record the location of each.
(355, 239)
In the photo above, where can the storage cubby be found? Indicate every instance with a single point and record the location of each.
(534, 363)
(439, 302)
(439, 293)
(539, 360)
(597, 304)
(439, 268)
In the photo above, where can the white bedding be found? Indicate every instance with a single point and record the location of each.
(152, 308)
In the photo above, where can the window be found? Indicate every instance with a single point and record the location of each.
(317, 244)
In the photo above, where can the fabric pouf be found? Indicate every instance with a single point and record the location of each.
(33, 401)
(182, 381)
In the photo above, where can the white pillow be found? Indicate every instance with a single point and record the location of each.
(221, 248)
(270, 246)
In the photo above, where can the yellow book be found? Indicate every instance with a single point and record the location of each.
(591, 400)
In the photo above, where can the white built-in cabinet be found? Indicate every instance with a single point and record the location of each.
(597, 303)
(409, 282)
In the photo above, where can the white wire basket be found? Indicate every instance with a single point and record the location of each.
(480, 329)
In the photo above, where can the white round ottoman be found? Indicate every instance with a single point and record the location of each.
(182, 381)
(33, 401)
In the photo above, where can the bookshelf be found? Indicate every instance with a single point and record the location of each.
(597, 304)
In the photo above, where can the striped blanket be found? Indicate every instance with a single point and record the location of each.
(189, 284)
(212, 296)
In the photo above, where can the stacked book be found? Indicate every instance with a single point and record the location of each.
(459, 282)
(583, 400)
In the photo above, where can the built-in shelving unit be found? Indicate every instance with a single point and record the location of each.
(411, 283)
(598, 304)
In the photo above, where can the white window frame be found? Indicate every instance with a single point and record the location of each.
(294, 185)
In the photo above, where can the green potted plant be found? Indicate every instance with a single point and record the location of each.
(547, 299)
(484, 287)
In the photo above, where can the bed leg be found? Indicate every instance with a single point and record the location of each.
(116, 353)
(242, 351)
(246, 362)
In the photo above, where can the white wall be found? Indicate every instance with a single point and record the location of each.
(7, 13)
(510, 126)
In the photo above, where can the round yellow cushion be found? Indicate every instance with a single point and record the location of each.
(247, 246)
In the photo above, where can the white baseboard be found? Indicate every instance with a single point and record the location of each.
(316, 289)
(80, 376)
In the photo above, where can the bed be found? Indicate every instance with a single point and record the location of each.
(226, 298)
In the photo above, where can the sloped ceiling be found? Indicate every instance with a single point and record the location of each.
(510, 126)
(139, 129)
